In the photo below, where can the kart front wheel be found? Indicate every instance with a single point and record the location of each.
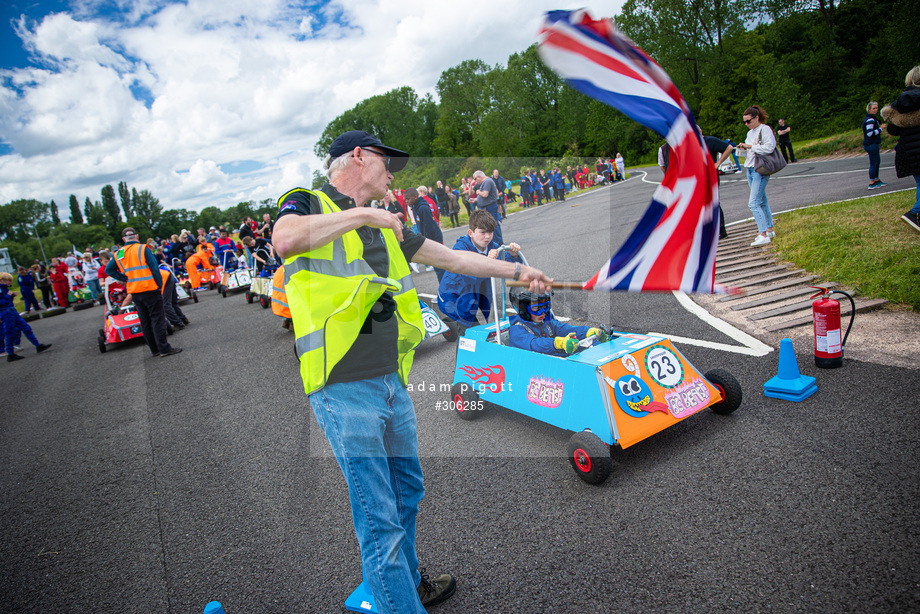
(265, 302)
(195, 296)
(466, 401)
(100, 340)
(589, 457)
(726, 383)
(451, 333)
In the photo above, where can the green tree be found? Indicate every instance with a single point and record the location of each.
(398, 118)
(55, 219)
(209, 216)
(19, 218)
(76, 216)
(318, 180)
(463, 92)
(94, 213)
(174, 221)
(147, 206)
(142, 225)
(110, 206)
(125, 196)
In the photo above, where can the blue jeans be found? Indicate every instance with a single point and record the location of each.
(757, 202)
(94, 288)
(916, 208)
(875, 161)
(371, 427)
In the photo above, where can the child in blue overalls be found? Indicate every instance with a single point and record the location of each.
(27, 288)
(13, 324)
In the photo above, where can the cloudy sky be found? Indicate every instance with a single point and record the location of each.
(212, 102)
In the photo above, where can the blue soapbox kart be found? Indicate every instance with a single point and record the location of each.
(614, 393)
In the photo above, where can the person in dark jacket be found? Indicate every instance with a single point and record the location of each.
(872, 141)
(558, 184)
(903, 116)
(424, 218)
(461, 297)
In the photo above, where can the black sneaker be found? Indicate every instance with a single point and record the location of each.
(433, 591)
(170, 352)
(13, 357)
(185, 321)
(41, 347)
(913, 219)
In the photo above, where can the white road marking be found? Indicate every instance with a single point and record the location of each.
(750, 345)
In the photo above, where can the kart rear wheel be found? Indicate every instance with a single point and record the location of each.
(265, 302)
(466, 401)
(726, 383)
(100, 340)
(451, 333)
(248, 296)
(195, 297)
(589, 457)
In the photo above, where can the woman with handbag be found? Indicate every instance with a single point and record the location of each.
(761, 142)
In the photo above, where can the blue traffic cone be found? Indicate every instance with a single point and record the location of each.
(789, 383)
(214, 607)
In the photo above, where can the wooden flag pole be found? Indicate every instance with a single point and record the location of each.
(556, 285)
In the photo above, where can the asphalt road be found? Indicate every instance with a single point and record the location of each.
(133, 484)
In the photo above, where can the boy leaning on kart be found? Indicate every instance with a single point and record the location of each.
(535, 328)
(461, 297)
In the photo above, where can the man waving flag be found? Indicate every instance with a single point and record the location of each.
(674, 245)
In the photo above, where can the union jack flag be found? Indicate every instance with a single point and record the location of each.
(674, 245)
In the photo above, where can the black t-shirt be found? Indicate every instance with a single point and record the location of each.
(267, 233)
(715, 146)
(246, 231)
(374, 351)
(783, 138)
(261, 250)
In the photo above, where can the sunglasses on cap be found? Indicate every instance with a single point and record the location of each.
(538, 309)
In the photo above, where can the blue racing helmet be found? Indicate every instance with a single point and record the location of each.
(528, 303)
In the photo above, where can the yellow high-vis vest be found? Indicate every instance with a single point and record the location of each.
(331, 291)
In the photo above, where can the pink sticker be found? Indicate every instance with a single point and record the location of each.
(687, 398)
(545, 392)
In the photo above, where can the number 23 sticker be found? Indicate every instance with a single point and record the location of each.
(663, 366)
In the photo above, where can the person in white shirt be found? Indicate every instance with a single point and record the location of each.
(90, 267)
(760, 140)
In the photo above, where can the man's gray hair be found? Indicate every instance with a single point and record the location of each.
(333, 166)
(478, 174)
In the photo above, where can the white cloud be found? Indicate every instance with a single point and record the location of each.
(229, 80)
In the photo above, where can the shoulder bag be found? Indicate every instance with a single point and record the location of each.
(768, 164)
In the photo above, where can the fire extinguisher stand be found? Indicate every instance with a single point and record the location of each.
(826, 318)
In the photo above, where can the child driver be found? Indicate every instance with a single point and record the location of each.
(535, 328)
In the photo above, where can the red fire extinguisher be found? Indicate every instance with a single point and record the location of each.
(826, 315)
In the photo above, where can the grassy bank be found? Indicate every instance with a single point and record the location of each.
(862, 244)
(843, 143)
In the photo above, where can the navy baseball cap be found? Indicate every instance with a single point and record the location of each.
(358, 138)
